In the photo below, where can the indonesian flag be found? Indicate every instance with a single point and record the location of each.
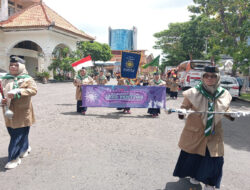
(85, 62)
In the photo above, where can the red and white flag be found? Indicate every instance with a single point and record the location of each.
(85, 62)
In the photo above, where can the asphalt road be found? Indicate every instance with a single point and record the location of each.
(108, 150)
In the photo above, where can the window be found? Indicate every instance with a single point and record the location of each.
(19, 6)
(11, 3)
(11, 8)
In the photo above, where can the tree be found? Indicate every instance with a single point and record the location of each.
(61, 64)
(234, 18)
(97, 51)
(183, 41)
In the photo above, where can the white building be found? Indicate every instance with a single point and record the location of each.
(33, 31)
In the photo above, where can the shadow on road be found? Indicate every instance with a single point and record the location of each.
(113, 115)
(116, 115)
(182, 184)
(70, 113)
(236, 134)
(3, 161)
(65, 104)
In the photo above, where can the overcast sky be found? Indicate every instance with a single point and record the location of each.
(149, 16)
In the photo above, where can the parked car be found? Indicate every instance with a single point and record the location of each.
(190, 72)
(2, 72)
(231, 84)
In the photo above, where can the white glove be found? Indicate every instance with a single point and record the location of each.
(237, 114)
(15, 91)
(181, 111)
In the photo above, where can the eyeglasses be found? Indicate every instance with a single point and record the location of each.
(206, 76)
(14, 64)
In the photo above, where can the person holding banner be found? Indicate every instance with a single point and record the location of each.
(156, 82)
(126, 82)
(201, 141)
(145, 81)
(101, 79)
(17, 88)
(81, 79)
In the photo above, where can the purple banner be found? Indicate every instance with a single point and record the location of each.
(123, 96)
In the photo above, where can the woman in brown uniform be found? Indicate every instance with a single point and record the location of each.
(18, 88)
(156, 82)
(174, 87)
(101, 79)
(201, 141)
(81, 79)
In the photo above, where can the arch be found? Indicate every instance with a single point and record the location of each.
(31, 52)
(13, 44)
(58, 47)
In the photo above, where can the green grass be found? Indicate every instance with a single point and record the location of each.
(245, 96)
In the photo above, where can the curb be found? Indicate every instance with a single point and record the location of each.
(243, 100)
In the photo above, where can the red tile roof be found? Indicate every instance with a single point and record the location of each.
(40, 15)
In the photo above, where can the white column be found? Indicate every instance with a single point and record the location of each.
(47, 62)
(4, 10)
(4, 63)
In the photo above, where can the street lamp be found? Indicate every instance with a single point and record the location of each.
(245, 61)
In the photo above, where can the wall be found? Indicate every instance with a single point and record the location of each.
(46, 39)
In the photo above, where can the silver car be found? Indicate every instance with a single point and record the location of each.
(231, 84)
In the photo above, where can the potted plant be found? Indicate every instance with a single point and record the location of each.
(43, 76)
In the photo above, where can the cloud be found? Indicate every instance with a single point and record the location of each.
(149, 16)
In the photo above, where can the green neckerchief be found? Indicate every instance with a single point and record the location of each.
(157, 83)
(102, 77)
(82, 77)
(131, 82)
(16, 78)
(211, 99)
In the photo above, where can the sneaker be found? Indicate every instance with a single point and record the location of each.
(194, 181)
(84, 113)
(208, 187)
(154, 115)
(26, 153)
(13, 163)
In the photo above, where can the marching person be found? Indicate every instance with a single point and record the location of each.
(168, 82)
(174, 87)
(18, 88)
(156, 82)
(108, 76)
(126, 82)
(201, 141)
(145, 81)
(81, 79)
(120, 81)
(101, 79)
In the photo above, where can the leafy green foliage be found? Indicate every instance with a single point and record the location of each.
(61, 64)
(97, 51)
(217, 27)
(233, 19)
(41, 75)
